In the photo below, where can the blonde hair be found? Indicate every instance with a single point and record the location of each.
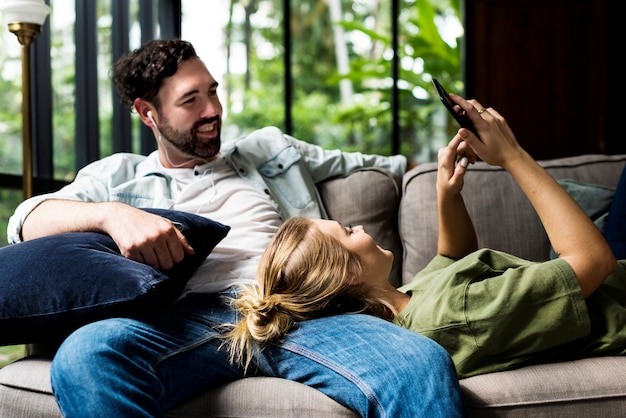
(303, 274)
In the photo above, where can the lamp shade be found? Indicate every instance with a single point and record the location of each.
(24, 11)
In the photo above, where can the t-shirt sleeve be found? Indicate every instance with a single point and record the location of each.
(492, 310)
(527, 309)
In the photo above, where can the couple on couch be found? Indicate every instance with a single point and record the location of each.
(145, 364)
(492, 311)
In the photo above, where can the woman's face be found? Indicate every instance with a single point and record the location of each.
(376, 261)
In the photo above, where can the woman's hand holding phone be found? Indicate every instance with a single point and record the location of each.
(455, 110)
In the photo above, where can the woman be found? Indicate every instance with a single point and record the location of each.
(492, 311)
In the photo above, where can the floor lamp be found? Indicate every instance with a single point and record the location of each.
(25, 19)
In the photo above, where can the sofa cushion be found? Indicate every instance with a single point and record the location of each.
(51, 285)
(25, 389)
(496, 205)
(369, 197)
(27, 382)
(593, 387)
(262, 397)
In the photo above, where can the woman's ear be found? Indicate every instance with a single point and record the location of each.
(355, 280)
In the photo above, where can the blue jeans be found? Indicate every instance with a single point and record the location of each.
(140, 368)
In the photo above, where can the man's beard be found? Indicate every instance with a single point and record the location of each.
(186, 142)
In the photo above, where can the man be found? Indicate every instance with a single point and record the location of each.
(141, 367)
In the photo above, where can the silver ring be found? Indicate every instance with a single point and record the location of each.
(484, 109)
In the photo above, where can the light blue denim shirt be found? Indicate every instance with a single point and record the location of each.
(284, 168)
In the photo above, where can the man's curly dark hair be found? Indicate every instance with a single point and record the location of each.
(140, 73)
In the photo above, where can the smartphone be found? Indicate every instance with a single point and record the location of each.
(460, 117)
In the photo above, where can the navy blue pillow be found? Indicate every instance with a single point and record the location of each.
(52, 285)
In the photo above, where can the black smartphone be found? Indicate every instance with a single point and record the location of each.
(460, 117)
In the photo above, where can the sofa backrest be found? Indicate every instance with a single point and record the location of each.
(503, 217)
(368, 197)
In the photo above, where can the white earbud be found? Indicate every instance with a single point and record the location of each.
(149, 115)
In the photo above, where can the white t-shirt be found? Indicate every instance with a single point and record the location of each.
(214, 190)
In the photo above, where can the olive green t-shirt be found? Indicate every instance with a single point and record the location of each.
(493, 311)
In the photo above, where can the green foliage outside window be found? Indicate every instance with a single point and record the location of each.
(363, 121)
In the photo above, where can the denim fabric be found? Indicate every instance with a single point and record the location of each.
(129, 368)
(369, 365)
(615, 226)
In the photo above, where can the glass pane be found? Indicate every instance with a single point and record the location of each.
(241, 44)
(105, 92)
(9, 199)
(10, 102)
(134, 42)
(428, 48)
(10, 353)
(342, 74)
(62, 60)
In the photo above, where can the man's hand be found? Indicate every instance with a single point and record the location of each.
(146, 237)
(140, 235)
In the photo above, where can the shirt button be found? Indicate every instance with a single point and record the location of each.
(280, 166)
(266, 191)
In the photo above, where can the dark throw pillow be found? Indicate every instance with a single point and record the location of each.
(52, 285)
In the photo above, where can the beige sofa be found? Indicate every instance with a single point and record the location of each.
(402, 216)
